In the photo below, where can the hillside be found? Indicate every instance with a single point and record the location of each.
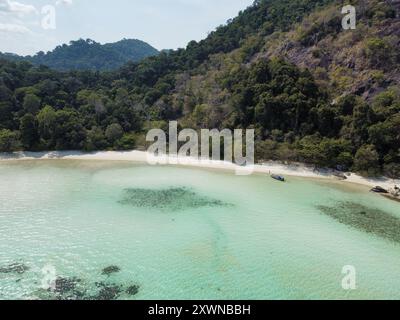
(363, 62)
(314, 92)
(90, 55)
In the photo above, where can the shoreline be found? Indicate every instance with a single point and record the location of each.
(270, 167)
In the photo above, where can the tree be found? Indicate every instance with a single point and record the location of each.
(334, 152)
(386, 104)
(95, 139)
(9, 141)
(127, 142)
(28, 130)
(6, 115)
(310, 151)
(31, 103)
(114, 132)
(366, 161)
(46, 125)
(345, 160)
(347, 103)
(327, 121)
(69, 132)
(392, 170)
(361, 120)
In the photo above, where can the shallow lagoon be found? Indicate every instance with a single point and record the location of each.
(179, 233)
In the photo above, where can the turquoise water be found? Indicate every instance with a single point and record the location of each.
(178, 233)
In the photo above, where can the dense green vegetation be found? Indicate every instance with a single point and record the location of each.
(303, 109)
(90, 55)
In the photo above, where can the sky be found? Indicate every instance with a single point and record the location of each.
(29, 26)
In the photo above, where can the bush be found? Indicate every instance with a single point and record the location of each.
(392, 170)
(9, 141)
(379, 52)
(127, 142)
(366, 161)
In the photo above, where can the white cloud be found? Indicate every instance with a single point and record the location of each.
(8, 27)
(64, 2)
(9, 6)
(13, 16)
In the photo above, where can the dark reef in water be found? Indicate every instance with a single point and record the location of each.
(77, 289)
(366, 219)
(66, 285)
(110, 270)
(67, 289)
(17, 268)
(108, 291)
(174, 199)
(133, 290)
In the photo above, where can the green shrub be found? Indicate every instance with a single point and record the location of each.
(9, 141)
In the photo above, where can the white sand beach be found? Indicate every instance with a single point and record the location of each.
(271, 167)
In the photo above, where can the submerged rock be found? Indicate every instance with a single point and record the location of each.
(108, 291)
(370, 220)
(64, 289)
(133, 290)
(173, 199)
(110, 270)
(18, 268)
(65, 285)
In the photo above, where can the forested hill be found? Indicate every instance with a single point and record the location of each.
(90, 55)
(313, 92)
